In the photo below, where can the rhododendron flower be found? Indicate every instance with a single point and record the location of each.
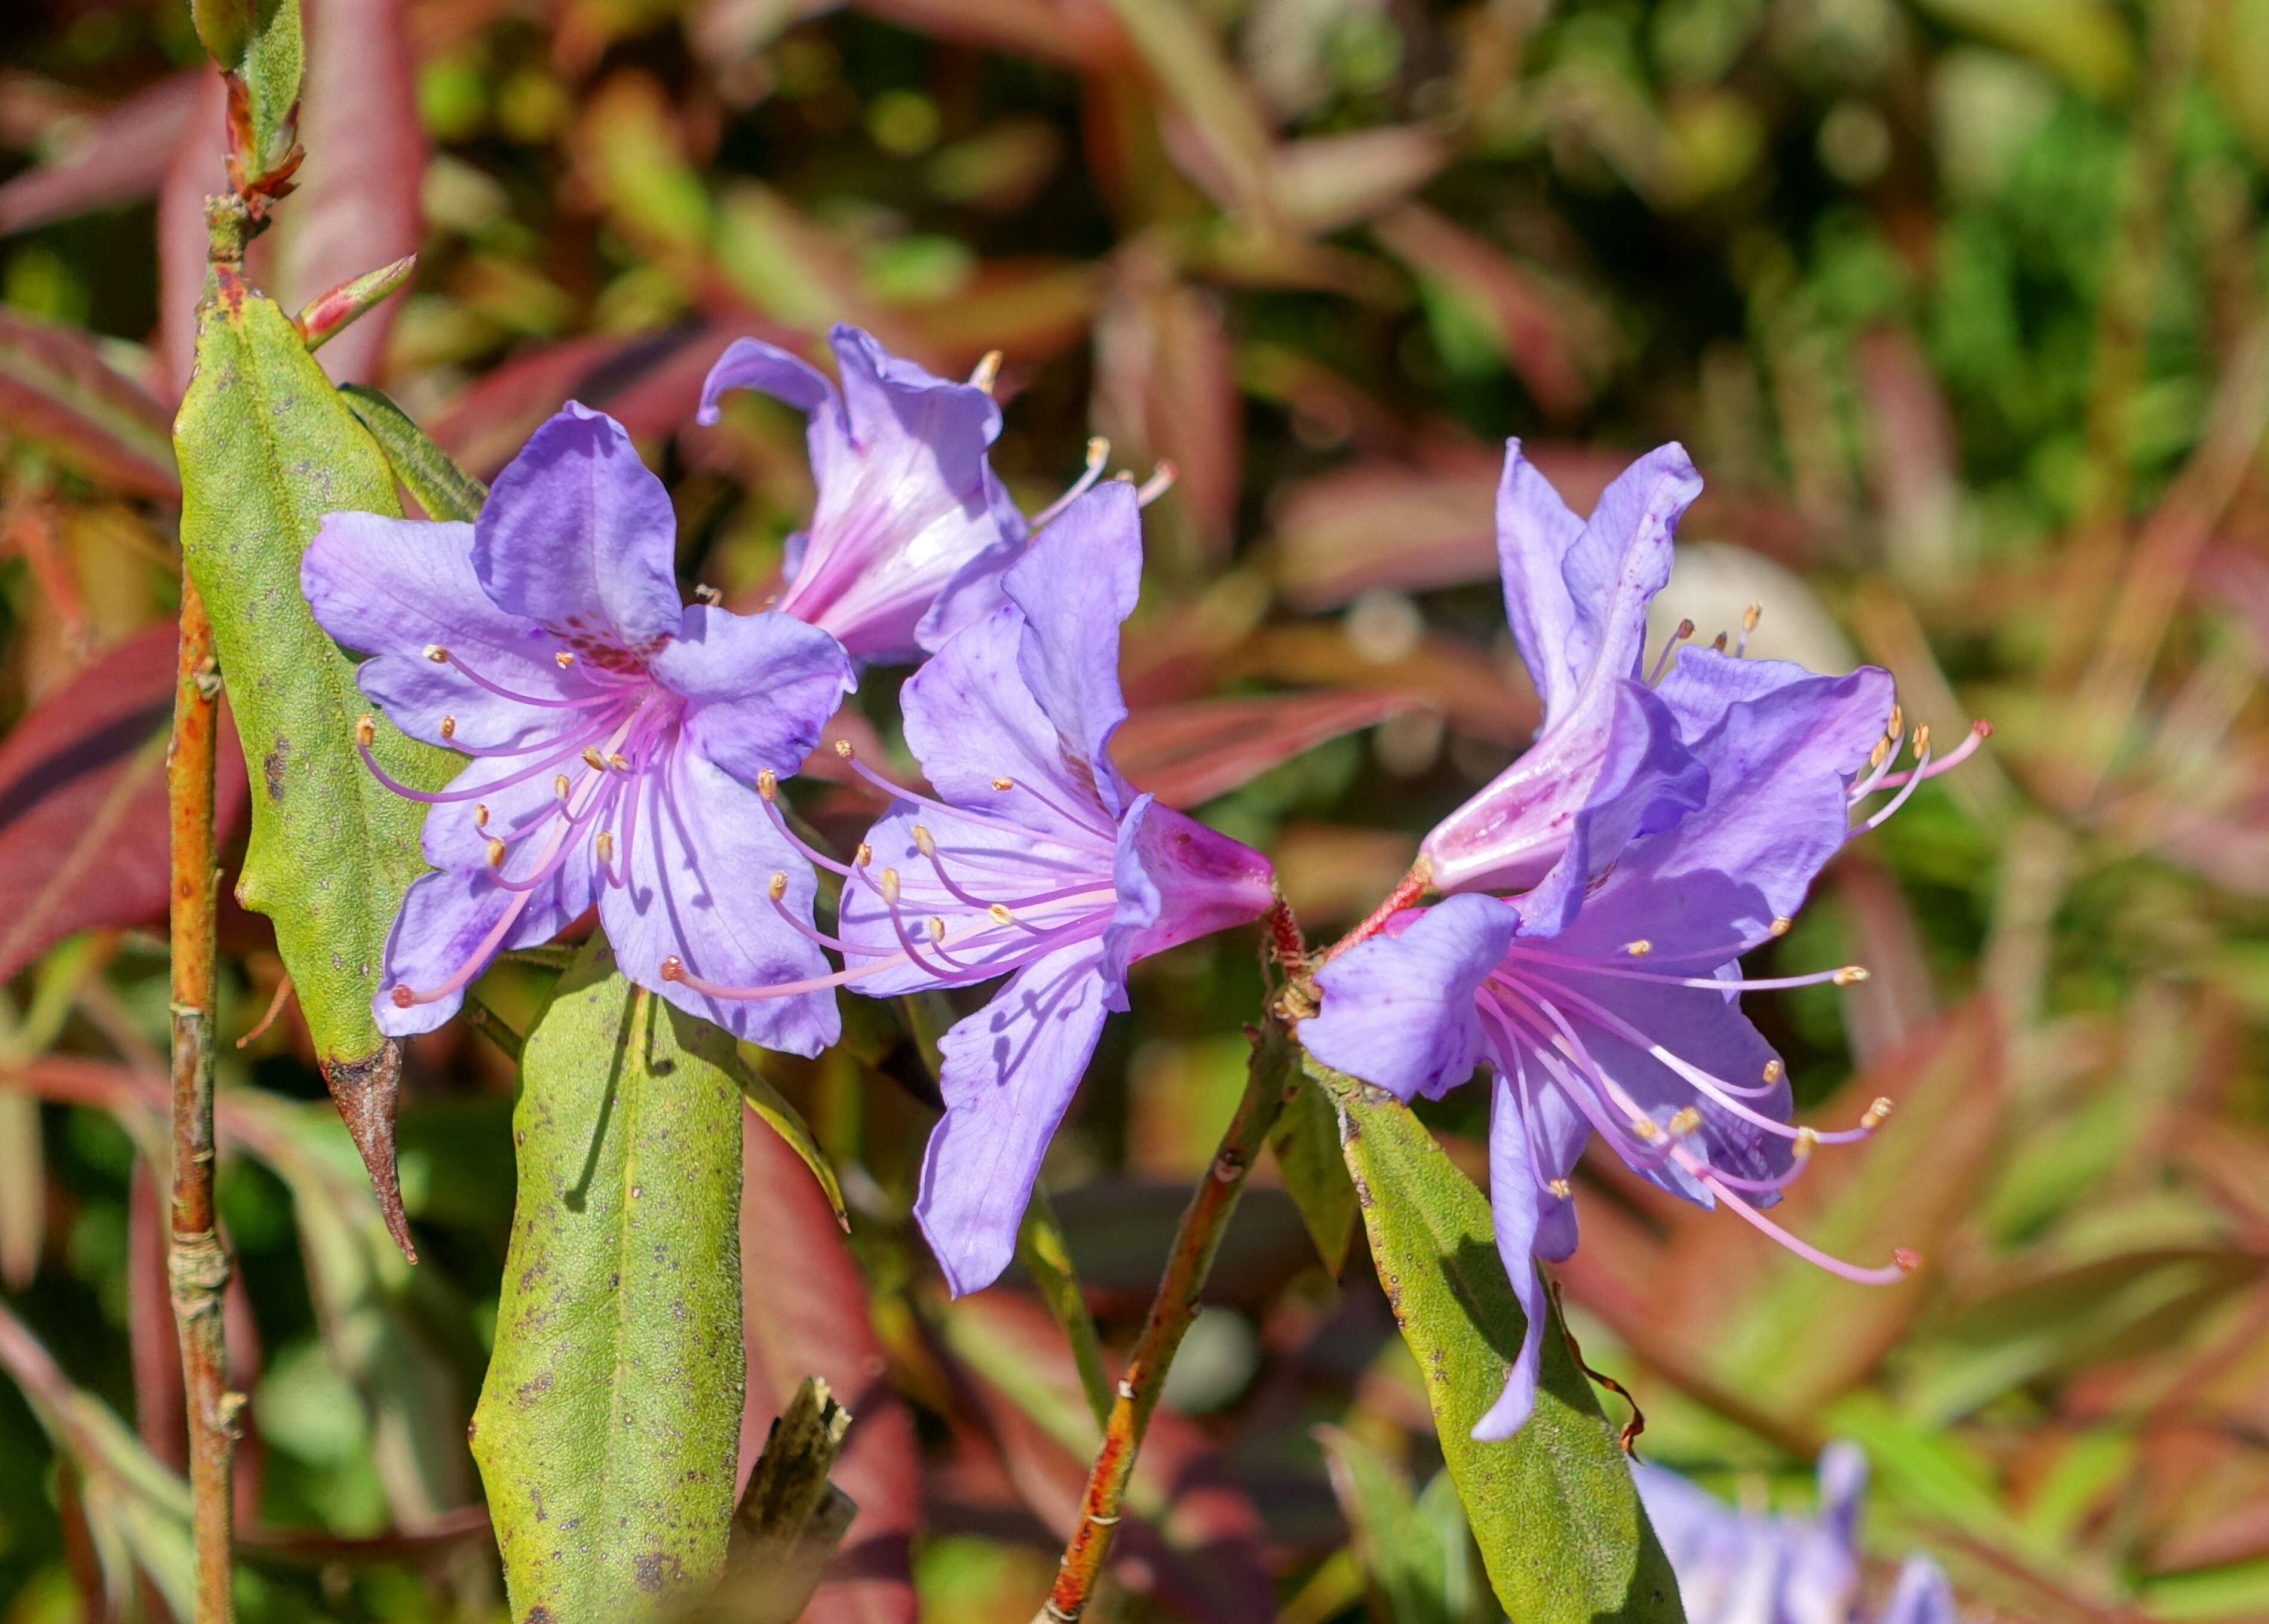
(911, 523)
(1033, 858)
(616, 734)
(1736, 1566)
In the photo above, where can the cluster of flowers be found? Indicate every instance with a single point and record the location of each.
(626, 750)
(1737, 1566)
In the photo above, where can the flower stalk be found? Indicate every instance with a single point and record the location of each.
(198, 1264)
(1271, 1071)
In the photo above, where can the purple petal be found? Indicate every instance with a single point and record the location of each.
(395, 587)
(1075, 584)
(579, 535)
(1204, 881)
(976, 589)
(1728, 1563)
(760, 687)
(1514, 1195)
(1623, 559)
(700, 856)
(1922, 1595)
(1534, 532)
(1398, 1010)
(752, 364)
(1010, 1072)
(1140, 900)
(446, 919)
(1702, 684)
(969, 719)
(1647, 780)
(1775, 812)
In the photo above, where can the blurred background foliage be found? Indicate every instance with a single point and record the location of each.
(1960, 305)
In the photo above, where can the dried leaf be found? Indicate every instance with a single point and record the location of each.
(1190, 753)
(1328, 182)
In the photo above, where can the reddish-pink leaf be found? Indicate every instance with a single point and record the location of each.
(1472, 692)
(356, 208)
(120, 158)
(58, 392)
(82, 835)
(1185, 754)
(1325, 182)
(1165, 388)
(195, 171)
(1059, 31)
(485, 425)
(804, 1313)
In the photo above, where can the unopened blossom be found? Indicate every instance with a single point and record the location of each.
(1034, 859)
(1736, 1566)
(912, 524)
(615, 735)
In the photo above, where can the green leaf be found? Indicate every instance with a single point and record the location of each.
(1307, 1146)
(427, 472)
(259, 42)
(609, 1425)
(266, 448)
(1418, 1552)
(1553, 1508)
(784, 1119)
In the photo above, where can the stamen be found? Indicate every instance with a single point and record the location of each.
(864, 855)
(1669, 647)
(936, 930)
(495, 853)
(366, 730)
(1914, 782)
(1903, 1261)
(1098, 453)
(777, 889)
(1979, 732)
(1880, 753)
(1782, 927)
(1001, 914)
(1922, 739)
(1773, 1069)
(1639, 948)
(592, 759)
(1646, 1128)
(1561, 1188)
(1874, 1115)
(673, 969)
(704, 593)
(1896, 724)
(1718, 642)
(768, 784)
(1686, 1121)
(438, 654)
(923, 843)
(560, 787)
(1160, 481)
(1004, 783)
(439, 797)
(448, 727)
(442, 656)
(563, 658)
(1749, 618)
(843, 749)
(983, 820)
(603, 843)
(619, 763)
(1850, 975)
(1807, 1142)
(986, 370)
(480, 816)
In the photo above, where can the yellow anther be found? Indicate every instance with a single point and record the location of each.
(937, 928)
(1004, 783)
(619, 763)
(1750, 615)
(1001, 914)
(778, 887)
(1808, 1140)
(1876, 757)
(843, 749)
(592, 759)
(480, 815)
(366, 730)
(923, 843)
(1873, 1117)
(1772, 1070)
(1646, 1128)
(560, 787)
(495, 853)
(1850, 975)
(448, 727)
(1686, 1121)
(1639, 948)
(1897, 723)
(706, 593)
(864, 855)
(768, 784)
(1922, 739)
(890, 886)
(603, 843)
(988, 369)
(1782, 926)
(438, 654)
(564, 658)
(1560, 1187)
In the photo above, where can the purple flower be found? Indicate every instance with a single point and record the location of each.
(1737, 1566)
(1034, 859)
(614, 732)
(912, 524)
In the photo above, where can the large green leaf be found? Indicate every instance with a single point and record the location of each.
(1554, 1509)
(609, 1425)
(266, 448)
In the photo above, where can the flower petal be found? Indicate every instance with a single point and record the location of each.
(1623, 559)
(1534, 532)
(1922, 1595)
(760, 687)
(698, 858)
(1702, 684)
(1205, 881)
(1398, 1010)
(1075, 584)
(393, 588)
(1009, 1074)
(752, 364)
(1139, 903)
(579, 535)
(446, 920)
(970, 720)
(1514, 1194)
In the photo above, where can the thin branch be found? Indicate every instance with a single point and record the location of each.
(198, 1267)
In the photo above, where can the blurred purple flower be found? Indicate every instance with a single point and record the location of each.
(1034, 859)
(614, 732)
(1737, 1566)
(912, 524)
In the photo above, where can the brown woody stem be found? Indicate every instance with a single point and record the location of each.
(1175, 1305)
(198, 1266)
